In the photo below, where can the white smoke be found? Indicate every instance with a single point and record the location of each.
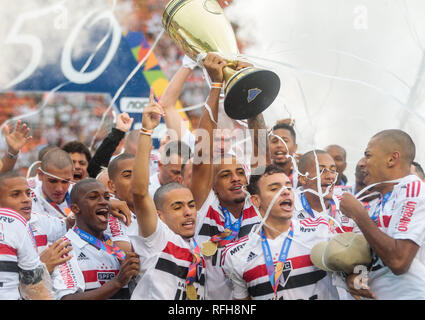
(348, 68)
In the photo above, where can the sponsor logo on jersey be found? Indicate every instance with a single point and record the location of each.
(6, 219)
(408, 211)
(301, 216)
(68, 275)
(1, 232)
(82, 256)
(237, 248)
(307, 229)
(251, 256)
(344, 219)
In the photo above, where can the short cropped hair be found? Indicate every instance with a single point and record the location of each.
(113, 165)
(81, 186)
(252, 187)
(286, 127)
(9, 175)
(160, 193)
(395, 138)
(77, 147)
(57, 158)
(306, 160)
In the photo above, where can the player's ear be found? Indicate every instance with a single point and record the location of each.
(75, 208)
(255, 199)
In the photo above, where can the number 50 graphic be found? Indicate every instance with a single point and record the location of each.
(16, 37)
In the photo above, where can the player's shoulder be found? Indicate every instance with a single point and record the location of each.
(236, 247)
(12, 217)
(412, 187)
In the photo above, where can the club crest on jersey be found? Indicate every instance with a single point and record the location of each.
(344, 219)
(103, 276)
(285, 274)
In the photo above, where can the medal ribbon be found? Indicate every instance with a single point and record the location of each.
(306, 205)
(275, 272)
(196, 259)
(380, 206)
(333, 215)
(106, 245)
(230, 232)
(55, 205)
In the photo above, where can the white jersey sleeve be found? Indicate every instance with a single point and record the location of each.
(28, 258)
(234, 272)
(67, 278)
(411, 218)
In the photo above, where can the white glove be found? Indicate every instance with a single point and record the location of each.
(188, 63)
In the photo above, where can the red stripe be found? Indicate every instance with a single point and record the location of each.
(419, 188)
(215, 215)
(261, 270)
(249, 213)
(41, 240)
(413, 189)
(407, 192)
(344, 229)
(5, 249)
(386, 220)
(91, 275)
(13, 214)
(178, 252)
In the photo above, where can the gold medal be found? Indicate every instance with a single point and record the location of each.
(209, 248)
(191, 292)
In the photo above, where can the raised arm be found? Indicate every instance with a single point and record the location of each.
(15, 140)
(173, 119)
(107, 148)
(144, 206)
(202, 172)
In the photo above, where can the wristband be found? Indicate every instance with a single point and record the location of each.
(12, 156)
(146, 131)
(217, 85)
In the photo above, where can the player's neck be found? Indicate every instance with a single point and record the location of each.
(314, 202)
(274, 227)
(234, 208)
(95, 233)
(286, 167)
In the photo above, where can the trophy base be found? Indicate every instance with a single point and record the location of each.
(249, 92)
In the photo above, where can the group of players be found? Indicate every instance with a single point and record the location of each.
(201, 222)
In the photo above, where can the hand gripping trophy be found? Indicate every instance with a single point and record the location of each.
(199, 27)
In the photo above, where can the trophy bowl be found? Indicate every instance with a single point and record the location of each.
(199, 27)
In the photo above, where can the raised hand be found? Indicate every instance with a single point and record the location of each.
(152, 113)
(214, 65)
(17, 137)
(124, 122)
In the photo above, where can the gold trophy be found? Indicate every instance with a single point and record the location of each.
(199, 27)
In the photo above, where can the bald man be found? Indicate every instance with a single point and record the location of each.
(395, 226)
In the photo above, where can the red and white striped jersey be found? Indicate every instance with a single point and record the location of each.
(17, 251)
(46, 229)
(89, 268)
(244, 264)
(340, 224)
(210, 222)
(165, 259)
(403, 217)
